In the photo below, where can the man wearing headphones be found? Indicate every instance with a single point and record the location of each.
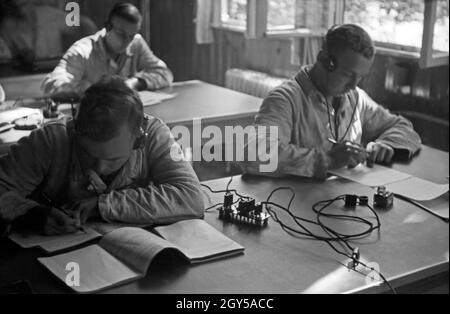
(116, 49)
(325, 121)
(112, 162)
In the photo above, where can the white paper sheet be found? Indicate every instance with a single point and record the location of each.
(375, 176)
(198, 240)
(418, 189)
(152, 98)
(98, 268)
(10, 116)
(54, 243)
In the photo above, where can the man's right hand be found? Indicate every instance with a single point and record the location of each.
(56, 83)
(58, 222)
(345, 154)
(48, 221)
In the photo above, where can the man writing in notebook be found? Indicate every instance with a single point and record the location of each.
(112, 163)
(116, 49)
(325, 121)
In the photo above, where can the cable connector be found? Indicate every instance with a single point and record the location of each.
(350, 200)
(355, 257)
(247, 212)
(383, 198)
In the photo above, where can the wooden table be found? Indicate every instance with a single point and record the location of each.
(213, 105)
(412, 246)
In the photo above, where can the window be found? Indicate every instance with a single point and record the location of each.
(440, 42)
(396, 24)
(301, 16)
(257, 17)
(234, 13)
(281, 14)
(416, 26)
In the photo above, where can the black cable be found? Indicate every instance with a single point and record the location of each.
(229, 182)
(333, 236)
(334, 135)
(407, 199)
(339, 237)
(320, 213)
(224, 191)
(221, 204)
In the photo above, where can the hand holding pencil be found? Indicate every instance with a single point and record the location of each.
(346, 153)
(374, 152)
(67, 218)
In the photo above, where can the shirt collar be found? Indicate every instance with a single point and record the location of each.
(305, 82)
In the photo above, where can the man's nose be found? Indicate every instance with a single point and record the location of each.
(354, 83)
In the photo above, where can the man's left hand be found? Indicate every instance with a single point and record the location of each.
(379, 152)
(84, 209)
(135, 83)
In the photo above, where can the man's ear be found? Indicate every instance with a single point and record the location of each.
(322, 56)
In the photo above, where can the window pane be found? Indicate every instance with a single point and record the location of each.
(234, 12)
(397, 22)
(281, 14)
(440, 41)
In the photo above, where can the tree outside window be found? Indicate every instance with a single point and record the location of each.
(399, 23)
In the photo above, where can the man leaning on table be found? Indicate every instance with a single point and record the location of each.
(111, 163)
(325, 120)
(116, 49)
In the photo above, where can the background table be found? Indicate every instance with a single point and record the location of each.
(214, 105)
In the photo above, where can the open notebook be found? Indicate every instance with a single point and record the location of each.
(55, 243)
(125, 254)
(51, 244)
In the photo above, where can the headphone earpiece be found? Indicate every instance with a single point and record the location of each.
(108, 25)
(329, 63)
(332, 64)
(140, 141)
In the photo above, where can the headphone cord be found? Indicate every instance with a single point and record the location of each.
(335, 135)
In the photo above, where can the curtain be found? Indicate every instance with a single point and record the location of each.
(204, 17)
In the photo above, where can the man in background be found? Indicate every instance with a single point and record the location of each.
(117, 49)
(325, 121)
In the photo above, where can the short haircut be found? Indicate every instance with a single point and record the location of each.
(9, 9)
(105, 107)
(125, 11)
(351, 37)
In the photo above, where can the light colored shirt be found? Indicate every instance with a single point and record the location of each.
(88, 60)
(300, 112)
(150, 188)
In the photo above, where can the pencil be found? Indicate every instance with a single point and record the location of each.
(332, 140)
(52, 203)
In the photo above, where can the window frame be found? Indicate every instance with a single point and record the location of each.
(257, 27)
(425, 55)
(428, 57)
(257, 22)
